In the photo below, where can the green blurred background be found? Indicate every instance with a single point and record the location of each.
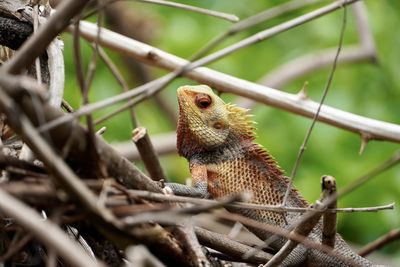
(371, 90)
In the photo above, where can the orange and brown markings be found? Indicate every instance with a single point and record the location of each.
(240, 175)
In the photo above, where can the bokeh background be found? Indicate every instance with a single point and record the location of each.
(368, 89)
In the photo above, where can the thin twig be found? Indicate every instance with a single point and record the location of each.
(45, 190)
(120, 79)
(314, 120)
(250, 206)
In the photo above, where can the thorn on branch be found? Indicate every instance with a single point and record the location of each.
(303, 93)
(365, 138)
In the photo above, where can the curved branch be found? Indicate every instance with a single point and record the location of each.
(375, 129)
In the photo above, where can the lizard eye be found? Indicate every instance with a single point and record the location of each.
(203, 101)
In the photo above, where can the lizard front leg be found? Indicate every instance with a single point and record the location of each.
(199, 181)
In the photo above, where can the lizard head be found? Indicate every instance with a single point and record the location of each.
(206, 122)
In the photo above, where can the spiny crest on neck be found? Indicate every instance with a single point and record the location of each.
(240, 121)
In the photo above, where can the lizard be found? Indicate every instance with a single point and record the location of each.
(217, 139)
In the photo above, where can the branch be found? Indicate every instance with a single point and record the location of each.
(378, 130)
(329, 219)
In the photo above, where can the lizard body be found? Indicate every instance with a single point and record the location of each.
(218, 141)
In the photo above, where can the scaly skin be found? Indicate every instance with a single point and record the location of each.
(217, 139)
